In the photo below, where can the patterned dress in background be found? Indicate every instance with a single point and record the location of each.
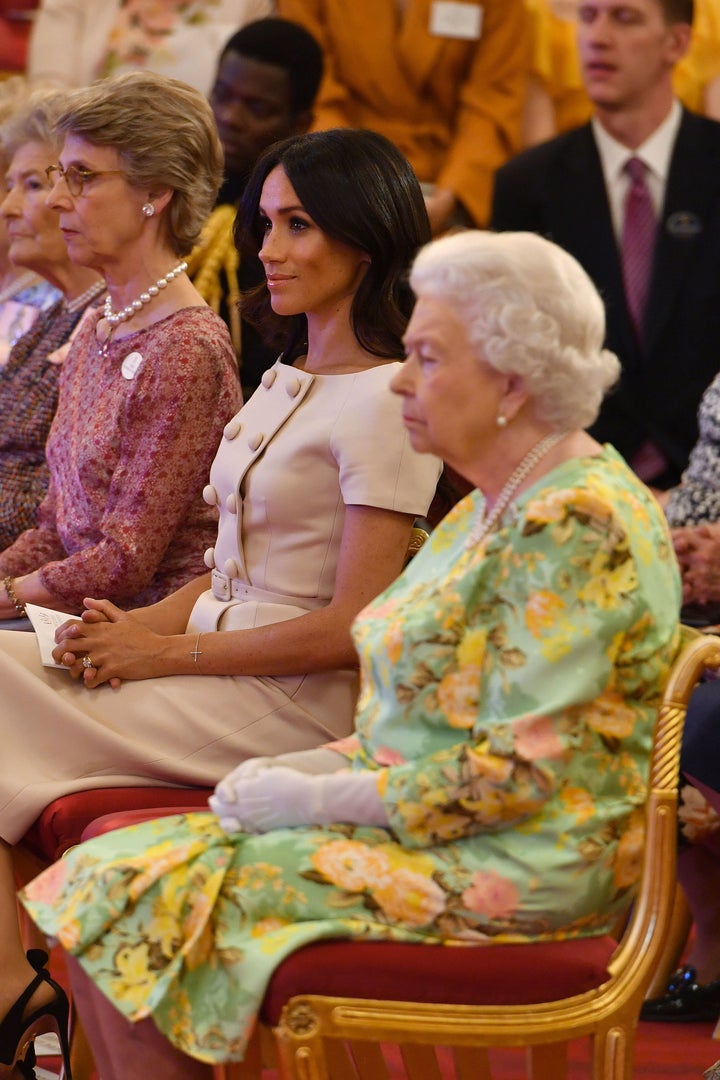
(510, 690)
(696, 499)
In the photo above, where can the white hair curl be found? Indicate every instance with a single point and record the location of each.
(530, 310)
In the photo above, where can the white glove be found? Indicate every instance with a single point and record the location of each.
(319, 760)
(280, 796)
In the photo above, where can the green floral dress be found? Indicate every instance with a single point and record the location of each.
(510, 689)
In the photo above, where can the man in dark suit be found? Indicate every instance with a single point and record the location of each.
(573, 189)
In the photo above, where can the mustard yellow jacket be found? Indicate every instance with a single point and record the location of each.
(452, 106)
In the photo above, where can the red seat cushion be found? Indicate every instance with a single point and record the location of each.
(62, 822)
(464, 975)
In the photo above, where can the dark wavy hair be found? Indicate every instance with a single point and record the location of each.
(359, 189)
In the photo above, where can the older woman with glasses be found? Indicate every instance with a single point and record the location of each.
(151, 378)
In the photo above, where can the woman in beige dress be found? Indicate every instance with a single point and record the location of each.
(316, 486)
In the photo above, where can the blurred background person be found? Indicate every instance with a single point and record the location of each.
(74, 42)
(23, 293)
(444, 82)
(29, 377)
(151, 378)
(556, 99)
(264, 90)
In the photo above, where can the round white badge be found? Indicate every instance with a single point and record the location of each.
(130, 365)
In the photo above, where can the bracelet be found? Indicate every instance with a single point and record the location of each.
(196, 651)
(9, 584)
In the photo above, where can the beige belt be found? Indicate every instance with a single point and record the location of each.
(227, 588)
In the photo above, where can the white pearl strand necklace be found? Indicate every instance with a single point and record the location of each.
(115, 317)
(485, 523)
(96, 289)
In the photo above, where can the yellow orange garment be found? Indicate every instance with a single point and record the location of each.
(554, 60)
(452, 106)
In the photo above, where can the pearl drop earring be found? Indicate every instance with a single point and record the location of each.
(501, 421)
(148, 209)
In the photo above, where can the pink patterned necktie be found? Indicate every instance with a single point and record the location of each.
(638, 240)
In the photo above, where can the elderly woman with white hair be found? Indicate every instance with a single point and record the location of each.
(495, 784)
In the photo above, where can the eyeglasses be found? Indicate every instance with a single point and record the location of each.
(76, 177)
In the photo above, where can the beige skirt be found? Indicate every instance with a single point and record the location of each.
(182, 730)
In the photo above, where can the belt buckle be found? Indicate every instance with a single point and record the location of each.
(220, 585)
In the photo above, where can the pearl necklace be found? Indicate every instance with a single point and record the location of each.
(23, 281)
(96, 289)
(115, 317)
(486, 523)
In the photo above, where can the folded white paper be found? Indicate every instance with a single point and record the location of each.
(45, 622)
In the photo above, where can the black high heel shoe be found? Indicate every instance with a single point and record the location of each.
(18, 1031)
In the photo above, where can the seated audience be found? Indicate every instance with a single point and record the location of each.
(445, 85)
(264, 89)
(150, 380)
(74, 42)
(317, 488)
(23, 293)
(29, 378)
(556, 99)
(511, 681)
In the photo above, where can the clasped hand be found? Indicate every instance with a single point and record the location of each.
(698, 551)
(118, 646)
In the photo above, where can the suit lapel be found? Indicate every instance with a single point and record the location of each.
(692, 189)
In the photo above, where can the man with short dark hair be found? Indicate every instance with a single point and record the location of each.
(635, 196)
(267, 79)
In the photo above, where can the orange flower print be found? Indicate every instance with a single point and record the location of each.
(542, 610)
(697, 818)
(349, 864)
(409, 898)
(578, 802)
(458, 696)
(385, 755)
(45, 888)
(628, 857)
(491, 895)
(536, 737)
(611, 716)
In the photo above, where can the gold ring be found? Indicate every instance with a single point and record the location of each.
(87, 662)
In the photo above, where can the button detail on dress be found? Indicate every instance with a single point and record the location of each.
(292, 387)
(231, 502)
(210, 495)
(268, 378)
(232, 428)
(209, 558)
(255, 440)
(231, 568)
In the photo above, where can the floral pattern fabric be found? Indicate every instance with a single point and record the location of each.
(696, 499)
(510, 690)
(129, 451)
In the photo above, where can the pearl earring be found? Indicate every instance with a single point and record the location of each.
(148, 209)
(501, 421)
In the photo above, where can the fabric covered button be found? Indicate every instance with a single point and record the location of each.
(232, 428)
(210, 495)
(292, 387)
(268, 378)
(255, 441)
(209, 558)
(231, 503)
(231, 568)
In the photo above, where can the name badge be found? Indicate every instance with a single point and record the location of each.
(450, 19)
(130, 365)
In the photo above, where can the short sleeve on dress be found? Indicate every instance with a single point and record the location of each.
(394, 476)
